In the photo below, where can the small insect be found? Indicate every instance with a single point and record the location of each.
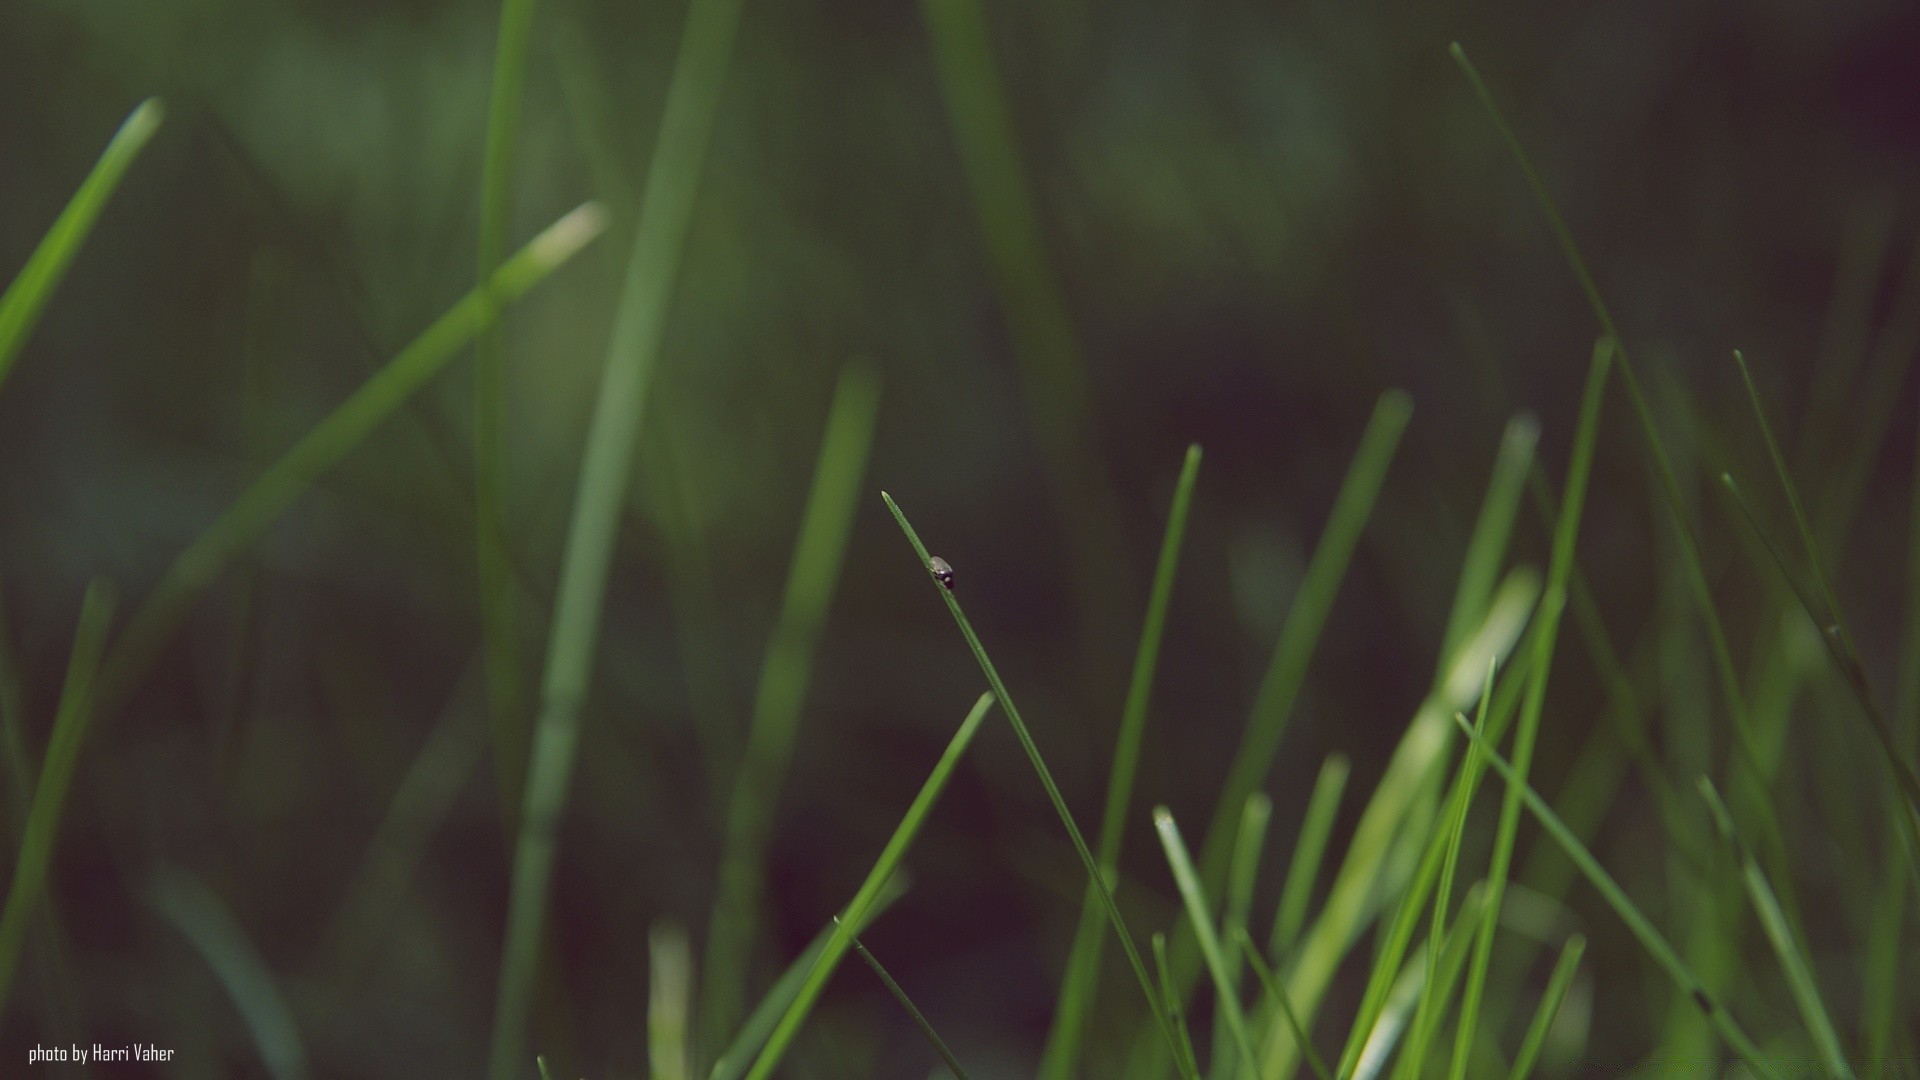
(942, 572)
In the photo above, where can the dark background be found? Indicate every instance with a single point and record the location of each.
(1263, 215)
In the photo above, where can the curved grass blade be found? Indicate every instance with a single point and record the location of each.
(919, 1018)
(1552, 603)
(818, 554)
(760, 1023)
(666, 208)
(506, 690)
(56, 776)
(1642, 928)
(331, 440)
(883, 868)
(195, 909)
(33, 286)
(1046, 781)
(1062, 1054)
(1309, 851)
(1557, 984)
(1200, 914)
(1793, 960)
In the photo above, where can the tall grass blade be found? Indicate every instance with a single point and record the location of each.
(506, 690)
(1557, 984)
(33, 286)
(864, 899)
(1793, 959)
(1062, 1054)
(1285, 1007)
(1309, 852)
(56, 776)
(1200, 914)
(1552, 603)
(194, 908)
(1416, 981)
(919, 1018)
(666, 208)
(1020, 732)
(812, 578)
(139, 645)
(1642, 928)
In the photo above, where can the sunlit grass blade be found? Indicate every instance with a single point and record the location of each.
(33, 286)
(1418, 982)
(1062, 1054)
(1642, 928)
(812, 578)
(1285, 1007)
(1552, 603)
(669, 1002)
(56, 776)
(1020, 732)
(506, 689)
(1184, 1060)
(332, 439)
(1241, 873)
(1200, 914)
(863, 899)
(761, 1021)
(199, 914)
(919, 1018)
(1441, 977)
(666, 208)
(1557, 983)
(1793, 959)
(1309, 852)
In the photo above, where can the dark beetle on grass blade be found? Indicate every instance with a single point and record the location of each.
(942, 572)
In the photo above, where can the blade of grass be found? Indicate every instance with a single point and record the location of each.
(669, 1002)
(1046, 780)
(1200, 914)
(812, 578)
(33, 286)
(198, 913)
(1641, 927)
(1385, 1029)
(919, 1018)
(1793, 959)
(1184, 1060)
(1281, 1004)
(1487, 545)
(1437, 989)
(1557, 984)
(1309, 851)
(1552, 603)
(1240, 881)
(863, 899)
(760, 1023)
(666, 209)
(1062, 1054)
(506, 689)
(146, 633)
(56, 776)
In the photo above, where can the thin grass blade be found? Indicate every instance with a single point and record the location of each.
(1200, 914)
(919, 1018)
(669, 1002)
(1184, 1059)
(1281, 1003)
(1557, 984)
(1309, 852)
(1240, 881)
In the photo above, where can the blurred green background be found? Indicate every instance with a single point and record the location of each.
(1259, 217)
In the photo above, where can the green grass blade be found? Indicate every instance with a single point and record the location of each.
(1200, 914)
(1184, 1059)
(669, 1002)
(666, 209)
(1241, 873)
(1487, 546)
(1020, 731)
(195, 909)
(1415, 981)
(506, 690)
(765, 1016)
(1309, 852)
(33, 286)
(1285, 1007)
(1552, 603)
(1062, 1053)
(542, 1063)
(56, 776)
(863, 899)
(812, 578)
(1557, 984)
(1641, 927)
(1793, 959)
(919, 1018)
(331, 440)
